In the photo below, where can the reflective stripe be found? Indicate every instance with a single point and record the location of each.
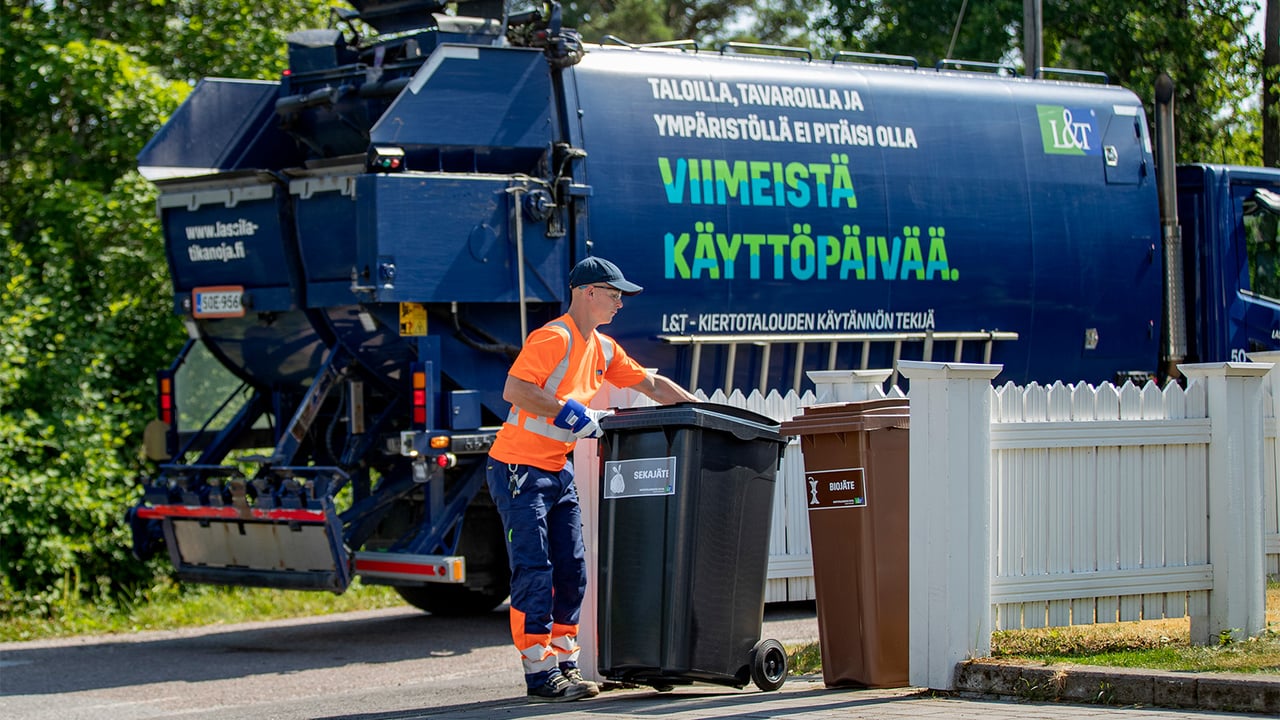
(546, 427)
(537, 425)
(564, 641)
(557, 375)
(608, 352)
(536, 652)
(537, 659)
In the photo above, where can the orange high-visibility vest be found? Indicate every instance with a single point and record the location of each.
(557, 356)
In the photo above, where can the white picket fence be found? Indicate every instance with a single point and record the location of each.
(1098, 504)
(1271, 464)
(1035, 506)
(1051, 506)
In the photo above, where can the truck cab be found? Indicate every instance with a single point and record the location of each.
(1228, 216)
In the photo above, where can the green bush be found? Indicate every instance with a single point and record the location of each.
(76, 389)
(85, 299)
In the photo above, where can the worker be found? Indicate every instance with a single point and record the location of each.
(560, 369)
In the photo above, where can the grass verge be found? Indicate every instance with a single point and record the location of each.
(168, 605)
(1154, 644)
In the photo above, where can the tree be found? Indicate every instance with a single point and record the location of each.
(709, 23)
(1203, 45)
(928, 31)
(85, 309)
(83, 273)
(1271, 85)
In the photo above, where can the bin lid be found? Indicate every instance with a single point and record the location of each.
(741, 423)
(850, 417)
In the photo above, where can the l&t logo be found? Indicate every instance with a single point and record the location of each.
(1068, 131)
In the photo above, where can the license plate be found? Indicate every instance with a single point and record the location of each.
(224, 301)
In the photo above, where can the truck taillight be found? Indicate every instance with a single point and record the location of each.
(419, 397)
(383, 159)
(164, 400)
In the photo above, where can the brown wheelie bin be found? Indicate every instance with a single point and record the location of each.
(855, 462)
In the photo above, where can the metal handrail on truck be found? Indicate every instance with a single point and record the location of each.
(766, 341)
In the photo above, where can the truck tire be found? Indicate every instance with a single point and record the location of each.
(451, 600)
(488, 573)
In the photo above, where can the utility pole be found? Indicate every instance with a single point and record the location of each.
(1270, 68)
(1032, 26)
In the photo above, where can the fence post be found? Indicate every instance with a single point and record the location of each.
(1273, 379)
(1271, 469)
(950, 517)
(831, 386)
(1237, 601)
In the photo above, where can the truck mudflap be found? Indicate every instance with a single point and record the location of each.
(292, 541)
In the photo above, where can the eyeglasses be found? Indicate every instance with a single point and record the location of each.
(614, 294)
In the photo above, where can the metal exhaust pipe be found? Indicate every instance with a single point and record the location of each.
(1174, 336)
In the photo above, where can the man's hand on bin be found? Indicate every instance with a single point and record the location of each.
(580, 419)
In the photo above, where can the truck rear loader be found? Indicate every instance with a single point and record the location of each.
(359, 248)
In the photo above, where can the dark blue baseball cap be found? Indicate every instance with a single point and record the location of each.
(595, 270)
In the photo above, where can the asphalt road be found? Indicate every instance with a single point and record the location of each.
(401, 664)
(368, 664)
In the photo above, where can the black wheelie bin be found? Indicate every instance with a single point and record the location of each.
(686, 499)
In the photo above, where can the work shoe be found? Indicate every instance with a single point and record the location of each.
(557, 688)
(574, 675)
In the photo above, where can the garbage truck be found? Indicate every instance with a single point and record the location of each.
(359, 247)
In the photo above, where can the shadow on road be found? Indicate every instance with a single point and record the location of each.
(327, 641)
(695, 701)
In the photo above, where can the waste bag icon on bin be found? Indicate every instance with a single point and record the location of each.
(855, 475)
(686, 499)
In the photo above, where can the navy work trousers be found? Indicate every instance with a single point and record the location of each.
(543, 526)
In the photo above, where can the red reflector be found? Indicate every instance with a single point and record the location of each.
(166, 416)
(420, 415)
(442, 460)
(386, 566)
(230, 513)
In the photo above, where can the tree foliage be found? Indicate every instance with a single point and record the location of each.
(85, 315)
(1202, 44)
(1205, 48)
(1271, 84)
(709, 23)
(929, 30)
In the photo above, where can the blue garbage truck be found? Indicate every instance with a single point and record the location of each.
(358, 248)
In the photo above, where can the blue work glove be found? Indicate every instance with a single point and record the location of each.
(581, 420)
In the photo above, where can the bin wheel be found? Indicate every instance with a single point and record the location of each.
(768, 665)
(664, 688)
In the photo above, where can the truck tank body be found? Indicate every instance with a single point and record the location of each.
(765, 196)
(751, 197)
